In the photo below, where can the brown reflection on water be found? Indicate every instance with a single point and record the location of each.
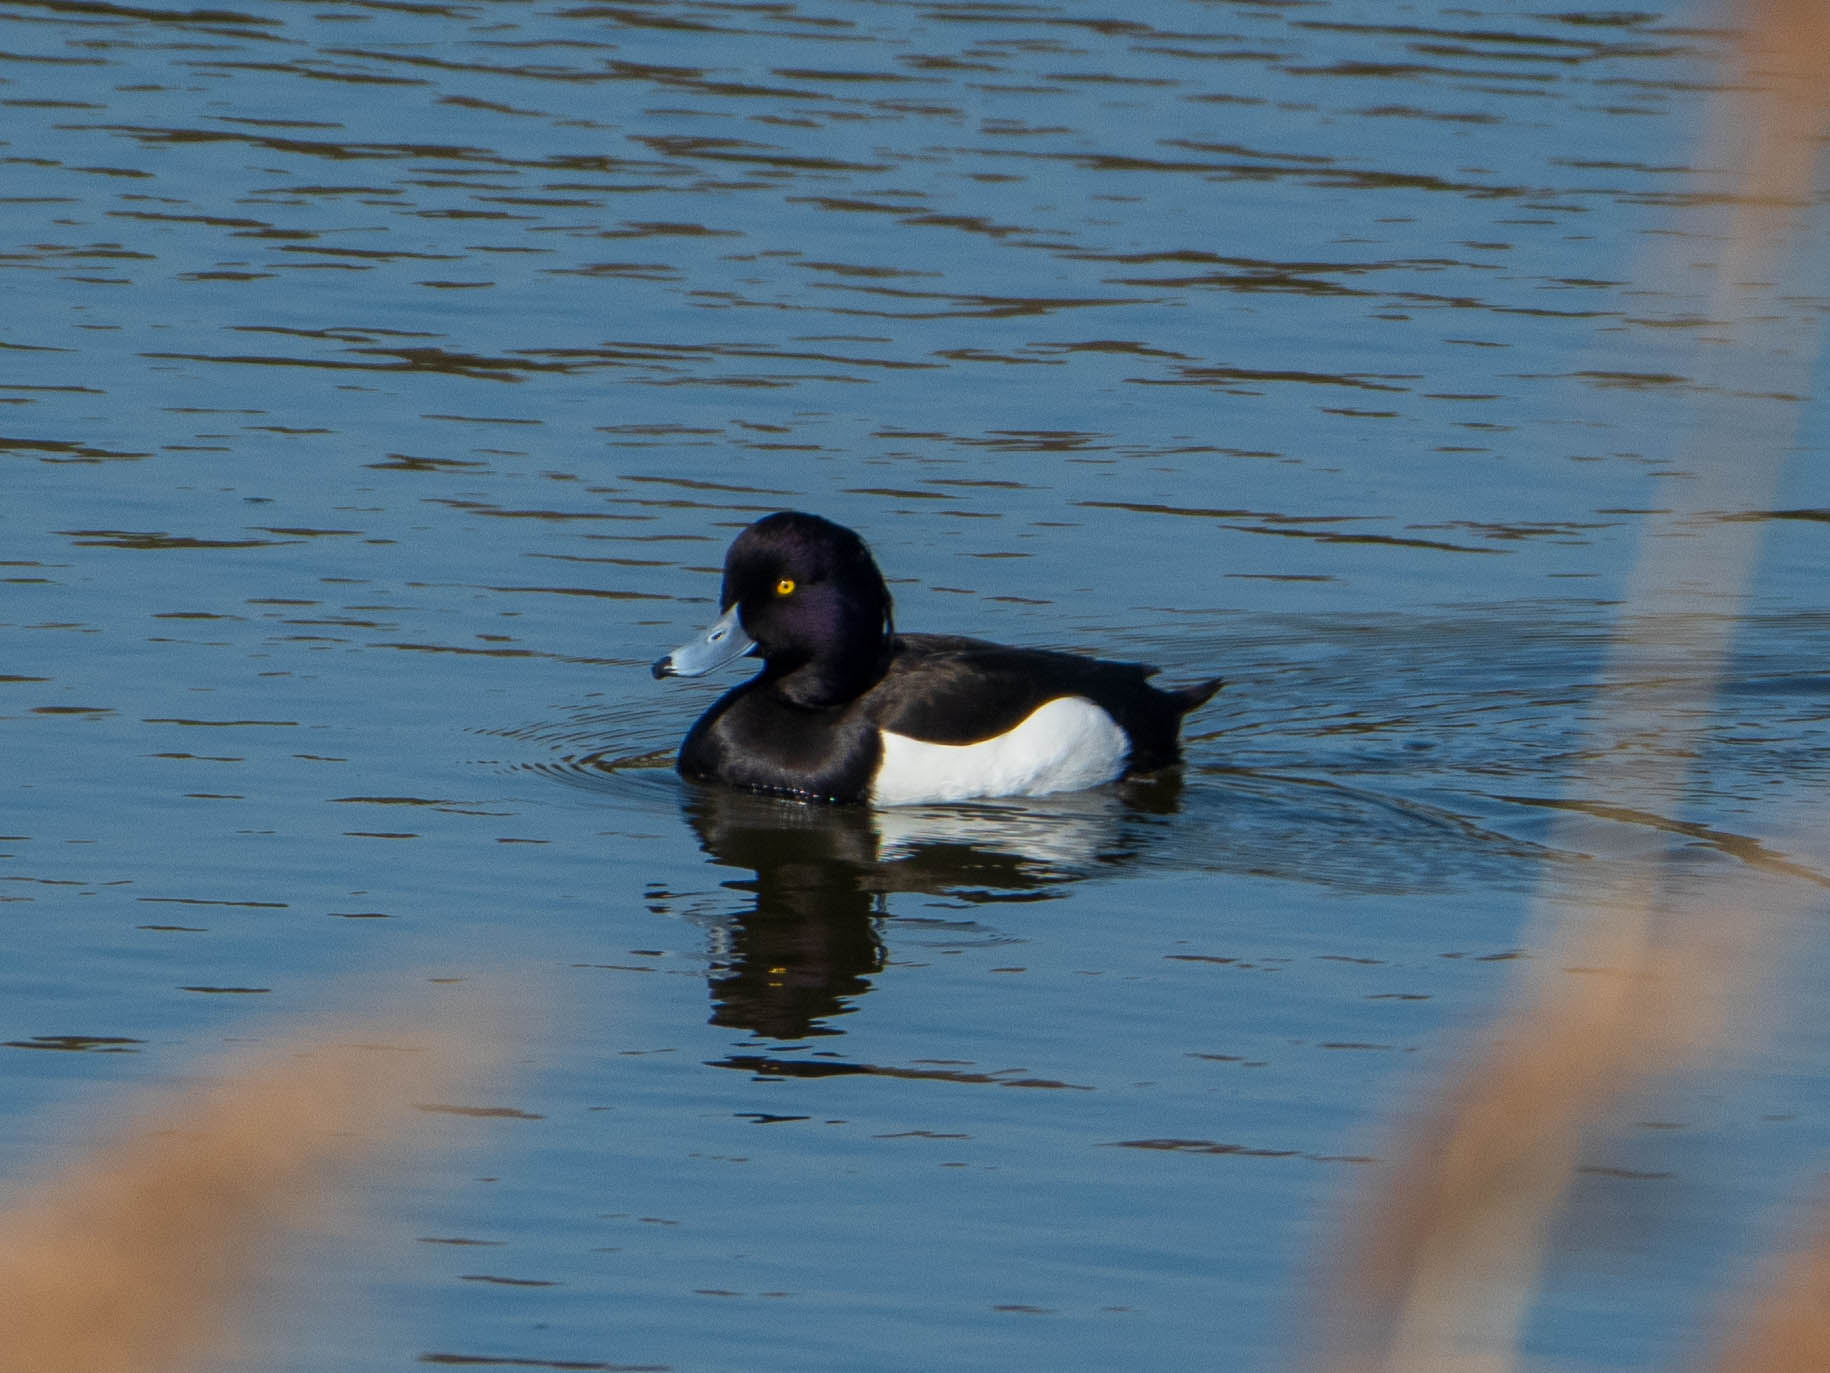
(767, 1066)
(1208, 1146)
(581, 54)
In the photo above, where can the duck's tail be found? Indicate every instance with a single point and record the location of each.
(1191, 698)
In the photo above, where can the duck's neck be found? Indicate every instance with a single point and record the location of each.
(831, 679)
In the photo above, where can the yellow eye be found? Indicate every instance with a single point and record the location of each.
(785, 587)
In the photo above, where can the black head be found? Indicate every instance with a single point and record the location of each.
(810, 595)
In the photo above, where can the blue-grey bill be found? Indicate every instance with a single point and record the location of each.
(714, 648)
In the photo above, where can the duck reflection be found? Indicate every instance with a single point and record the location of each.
(810, 944)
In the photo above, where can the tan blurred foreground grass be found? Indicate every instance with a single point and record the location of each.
(1440, 1257)
(141, 1256)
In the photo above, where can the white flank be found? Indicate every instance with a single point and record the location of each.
(1065, 745)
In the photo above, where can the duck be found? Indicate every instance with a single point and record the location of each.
(847, 710)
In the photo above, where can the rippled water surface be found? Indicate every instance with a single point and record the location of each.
(381, 383)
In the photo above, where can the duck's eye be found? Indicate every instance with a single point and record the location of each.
(785, 587)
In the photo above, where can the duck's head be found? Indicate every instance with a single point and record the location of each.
(805, 596)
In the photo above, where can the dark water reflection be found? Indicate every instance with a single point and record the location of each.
(811, 944)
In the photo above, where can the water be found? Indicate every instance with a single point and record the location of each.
(382, 384)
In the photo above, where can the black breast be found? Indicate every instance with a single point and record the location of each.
(754, 738)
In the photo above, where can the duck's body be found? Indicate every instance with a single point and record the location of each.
(845, 709)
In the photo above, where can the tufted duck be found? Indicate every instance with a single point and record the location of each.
(846, 709)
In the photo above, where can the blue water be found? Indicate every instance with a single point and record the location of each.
(380, 386)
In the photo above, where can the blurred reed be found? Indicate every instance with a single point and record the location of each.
(142, 1255)
(1441, 1253)
(1784, 1326)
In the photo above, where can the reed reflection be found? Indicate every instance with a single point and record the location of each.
(811, 942)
